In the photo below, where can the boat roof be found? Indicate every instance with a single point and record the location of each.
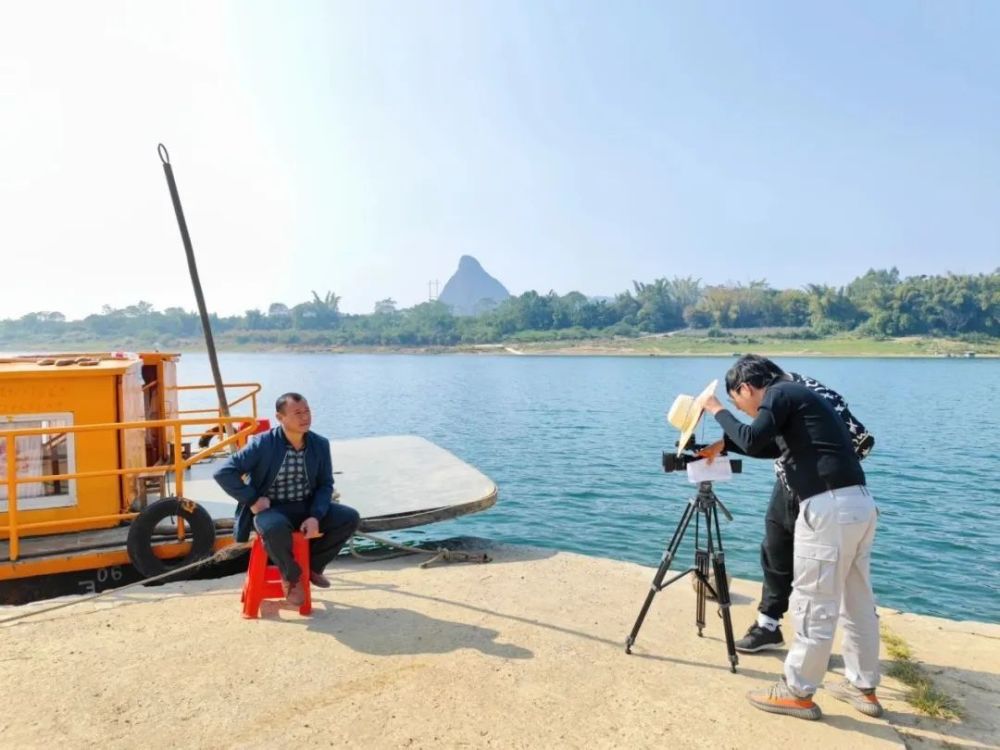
(395, 482)
(72, 368)
(70, 364)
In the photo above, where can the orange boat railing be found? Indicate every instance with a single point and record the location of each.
(179, 461)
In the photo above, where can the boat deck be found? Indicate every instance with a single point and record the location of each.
(395, 482)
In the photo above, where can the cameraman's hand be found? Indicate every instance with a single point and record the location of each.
(713, 406)
(711, 452)
(262, 504)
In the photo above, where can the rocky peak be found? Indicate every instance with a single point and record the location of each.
(471, 290)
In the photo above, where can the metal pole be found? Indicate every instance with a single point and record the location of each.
(15, 535)
(199, 296)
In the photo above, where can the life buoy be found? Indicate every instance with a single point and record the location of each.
(206, 437)
(263, 425)
(200, 529)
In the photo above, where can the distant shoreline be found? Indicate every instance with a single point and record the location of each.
(680, 345)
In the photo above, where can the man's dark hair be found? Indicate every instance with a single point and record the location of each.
(284, 398)
(754, 370)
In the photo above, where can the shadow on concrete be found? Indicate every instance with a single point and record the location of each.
(393, 631)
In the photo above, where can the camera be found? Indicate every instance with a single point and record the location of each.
(673, 462)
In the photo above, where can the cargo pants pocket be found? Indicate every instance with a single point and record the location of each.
(815, 620)
(815, 568)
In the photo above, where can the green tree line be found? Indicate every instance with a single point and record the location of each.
(877, 304)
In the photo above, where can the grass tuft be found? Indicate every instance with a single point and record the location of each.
(898, 648)
(922, 695)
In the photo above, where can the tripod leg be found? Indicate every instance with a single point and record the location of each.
(722, 592)
(701, 572)
(665, 561)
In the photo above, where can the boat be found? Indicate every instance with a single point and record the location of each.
(105, 479)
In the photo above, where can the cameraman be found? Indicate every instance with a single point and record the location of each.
(834, 534)
(776, 551)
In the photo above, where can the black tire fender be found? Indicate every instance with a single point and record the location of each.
(200, 530)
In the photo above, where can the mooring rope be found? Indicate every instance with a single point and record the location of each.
(439, 554)
(223, 554)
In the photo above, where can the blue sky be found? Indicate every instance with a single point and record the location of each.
(363, 147)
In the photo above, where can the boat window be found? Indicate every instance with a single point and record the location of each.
(39, 456)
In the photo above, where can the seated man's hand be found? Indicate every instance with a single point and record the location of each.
(711, 452)
(310, 528)
(262, 504)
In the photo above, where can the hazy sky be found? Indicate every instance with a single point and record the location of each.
(363, 147)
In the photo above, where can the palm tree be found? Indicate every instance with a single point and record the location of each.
(329, 303)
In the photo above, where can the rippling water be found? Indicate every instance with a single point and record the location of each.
(574, 445)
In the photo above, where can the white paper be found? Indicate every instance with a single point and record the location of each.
(718, 471)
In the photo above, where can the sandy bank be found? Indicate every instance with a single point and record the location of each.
(526, 651)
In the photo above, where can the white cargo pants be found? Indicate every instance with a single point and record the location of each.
(834, 534)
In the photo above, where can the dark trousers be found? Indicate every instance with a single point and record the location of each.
(276, 524)
(777, 552)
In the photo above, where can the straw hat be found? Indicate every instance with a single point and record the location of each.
(686, 411)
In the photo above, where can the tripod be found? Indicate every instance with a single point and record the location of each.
(704, 505)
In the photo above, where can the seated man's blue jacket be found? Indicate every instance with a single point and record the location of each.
(260, 460)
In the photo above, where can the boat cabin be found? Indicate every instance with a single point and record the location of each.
(48, 394)
(86, 441)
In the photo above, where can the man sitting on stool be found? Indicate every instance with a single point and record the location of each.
(289, 488)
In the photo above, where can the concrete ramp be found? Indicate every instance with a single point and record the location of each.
(525, 652)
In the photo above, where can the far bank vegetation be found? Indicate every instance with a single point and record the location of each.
(878, 305)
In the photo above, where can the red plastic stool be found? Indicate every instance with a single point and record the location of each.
(264, 581)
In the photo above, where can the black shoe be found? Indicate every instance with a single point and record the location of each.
(760, 639)
(318, 579)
